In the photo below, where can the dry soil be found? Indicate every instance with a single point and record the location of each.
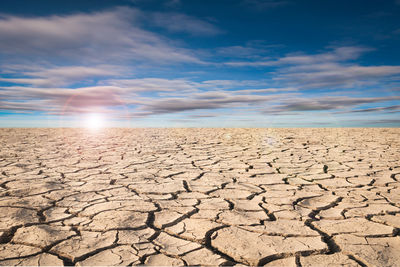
(275, 197)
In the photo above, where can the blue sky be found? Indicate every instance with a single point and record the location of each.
(200, 63)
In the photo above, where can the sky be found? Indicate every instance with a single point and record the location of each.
(200, 63)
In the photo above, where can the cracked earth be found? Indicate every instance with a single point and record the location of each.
(274, 197)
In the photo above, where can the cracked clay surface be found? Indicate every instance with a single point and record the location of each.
(274, 197)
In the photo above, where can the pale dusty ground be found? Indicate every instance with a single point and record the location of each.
(275, 197)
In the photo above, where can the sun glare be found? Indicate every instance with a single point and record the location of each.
(94, 122)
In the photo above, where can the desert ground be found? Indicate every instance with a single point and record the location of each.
(274, 197)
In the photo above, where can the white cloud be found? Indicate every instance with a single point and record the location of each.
(127, 94)
(326, 103)
(338, 54)
(204, 101)
(61, 99)
(333, 69)
(155, 85)
(60, 76)
(266, 90)
(336, 75)
(100, 36)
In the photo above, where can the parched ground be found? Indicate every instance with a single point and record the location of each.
(275, 197)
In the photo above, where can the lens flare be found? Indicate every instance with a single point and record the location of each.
(93, 122)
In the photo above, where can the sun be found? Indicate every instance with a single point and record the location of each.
(94, 122)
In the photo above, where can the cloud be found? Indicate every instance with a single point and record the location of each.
(207, 100)
(385, 121)
(226, 84)
(142, 97)
(181, 23)
(338, 54)
(197, 116)
(139, 96)
(336, 75)
(99, 36)
(238, 51)
(133, 98)
(26, 107)
(155, 85)
(59, 100)
(391, 109)
(333, 69)
(266, 90)
(324, 103)
(251, 50)
(60, 76)
(262, 63)
(180, 86)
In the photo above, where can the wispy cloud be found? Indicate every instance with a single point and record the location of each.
(99, 36)
(255, 50)
(324, 103)
(333, 69)
(390, 109)
(338, 54)
(225, 84)
(181, 23)
(132, 94)
(384, 121)
(203, 101)
(337, 75)
(155, 85)
(266, 90)
(59, 76)
(62, 100)
(189, 96)
(197, 116)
